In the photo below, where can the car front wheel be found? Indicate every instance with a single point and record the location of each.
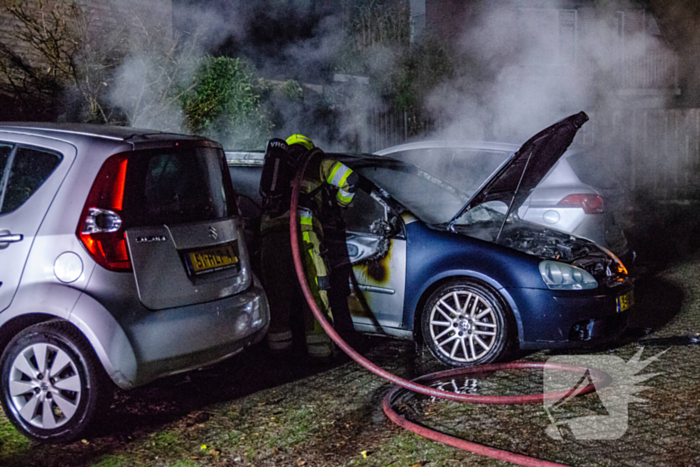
(52, 385)
(465, 324)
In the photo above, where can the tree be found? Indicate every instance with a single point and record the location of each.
(99, 62)
(55, 59)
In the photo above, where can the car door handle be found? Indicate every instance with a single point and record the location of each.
(11, 238)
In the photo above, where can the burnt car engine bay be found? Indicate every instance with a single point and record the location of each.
(550, 244)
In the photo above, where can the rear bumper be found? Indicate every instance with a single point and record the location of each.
(137, 345)
(180, 339)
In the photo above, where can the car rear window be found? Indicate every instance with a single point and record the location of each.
(178, 186)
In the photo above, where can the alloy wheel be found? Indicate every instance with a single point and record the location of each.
(44, 385)
(463, 326)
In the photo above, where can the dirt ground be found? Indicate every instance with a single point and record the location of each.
(257, 411)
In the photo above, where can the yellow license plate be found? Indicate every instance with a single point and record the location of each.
(625, 301)
(213, 259)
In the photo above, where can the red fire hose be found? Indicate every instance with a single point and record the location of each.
(597, 375)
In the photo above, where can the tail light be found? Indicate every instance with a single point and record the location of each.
(591, 204)
(101, 228)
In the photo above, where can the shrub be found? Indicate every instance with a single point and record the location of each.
(223, 103)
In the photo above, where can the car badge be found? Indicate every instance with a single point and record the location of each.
(151, 238)
(213, 233)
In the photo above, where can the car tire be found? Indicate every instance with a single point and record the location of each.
(52, 383)
(464, 323)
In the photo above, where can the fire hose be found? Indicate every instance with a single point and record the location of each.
(600, 377)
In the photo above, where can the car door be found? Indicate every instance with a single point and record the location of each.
(376, 245)
(30, 176)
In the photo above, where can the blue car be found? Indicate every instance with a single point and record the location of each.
(462, 273)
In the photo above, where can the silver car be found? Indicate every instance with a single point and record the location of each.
(122, 260)
(561, 201)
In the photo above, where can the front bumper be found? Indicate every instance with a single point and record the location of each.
(566, 319)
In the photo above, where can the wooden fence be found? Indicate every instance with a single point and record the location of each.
(659, 148)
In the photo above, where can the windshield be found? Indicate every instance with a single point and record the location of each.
(431, 199)
(465, 168)
(489, 212)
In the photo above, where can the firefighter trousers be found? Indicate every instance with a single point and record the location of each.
(287, 303)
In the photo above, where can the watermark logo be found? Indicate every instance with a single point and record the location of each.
(608, 420)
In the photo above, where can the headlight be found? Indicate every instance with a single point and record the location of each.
(561, 276)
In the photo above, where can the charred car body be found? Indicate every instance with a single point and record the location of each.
(462, 273)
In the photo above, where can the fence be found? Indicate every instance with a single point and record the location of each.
(660, 148)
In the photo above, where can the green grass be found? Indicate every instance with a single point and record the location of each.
(12, 443)
(114, 461)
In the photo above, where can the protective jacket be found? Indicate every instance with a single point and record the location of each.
(326, 184)
(324, 179)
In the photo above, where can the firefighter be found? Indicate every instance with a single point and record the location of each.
(325, 181)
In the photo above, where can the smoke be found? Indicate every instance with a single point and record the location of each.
(160, 59)
(534, 66)
(519, 70)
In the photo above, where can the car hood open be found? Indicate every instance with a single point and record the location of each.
(513, 182)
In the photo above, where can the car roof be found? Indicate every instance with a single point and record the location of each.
(84, 132)
(462, 144)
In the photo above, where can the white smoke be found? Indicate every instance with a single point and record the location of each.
(540, 64)
(527, 70)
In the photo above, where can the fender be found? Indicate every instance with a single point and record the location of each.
(99, 327)
(435, 254)
(113, 348)
(46, 298)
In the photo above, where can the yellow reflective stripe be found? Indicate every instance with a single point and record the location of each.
(305, 217)
(334, 170)
(300, 139)
(306, 236)
(339, 174)
(345, 177)
(318, 337)
(344, 197)
(279, 336)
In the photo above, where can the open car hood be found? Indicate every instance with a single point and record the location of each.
(513, 182)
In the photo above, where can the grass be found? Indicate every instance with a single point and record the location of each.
(12, 443)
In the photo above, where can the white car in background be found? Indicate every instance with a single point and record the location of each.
(562, 201)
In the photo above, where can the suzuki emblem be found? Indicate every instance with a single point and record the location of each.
(213, 233)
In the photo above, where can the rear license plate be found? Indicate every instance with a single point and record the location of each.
(625, 301)
(214, 259)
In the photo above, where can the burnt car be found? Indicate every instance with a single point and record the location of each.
(575, 196)
(461, 272)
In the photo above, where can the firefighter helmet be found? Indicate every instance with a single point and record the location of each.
(301, 139)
